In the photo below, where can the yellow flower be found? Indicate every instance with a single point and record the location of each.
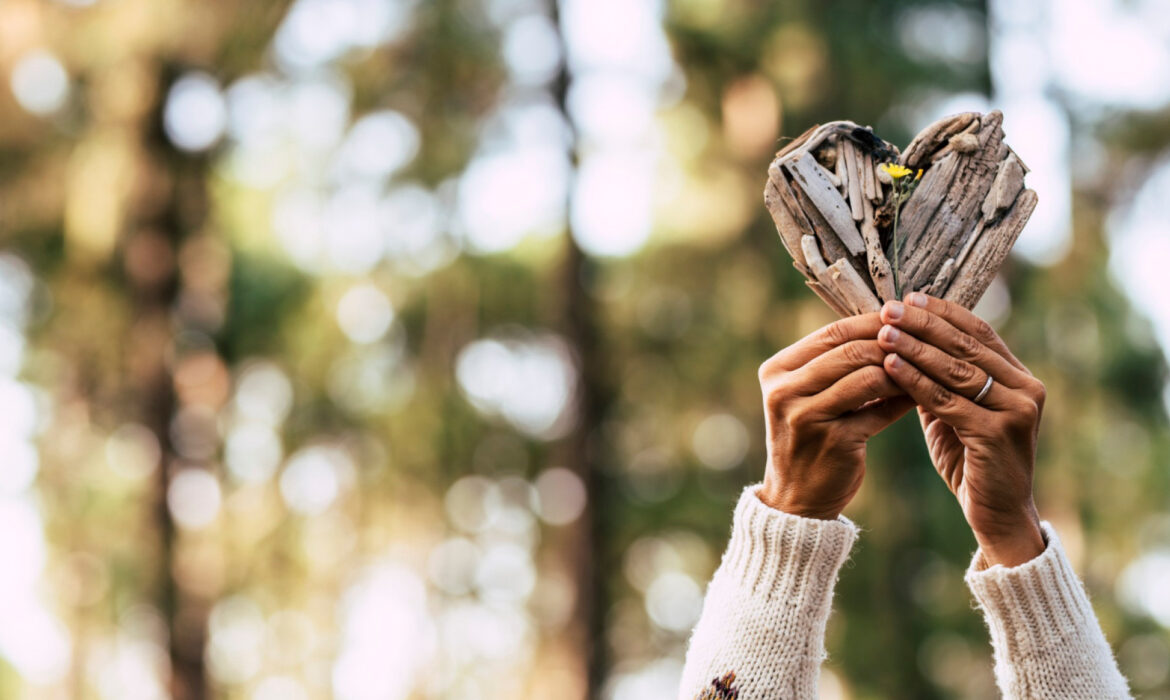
(919, 175)
(896, 171)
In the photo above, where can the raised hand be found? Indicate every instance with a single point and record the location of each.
(941, 355)
(824, 397)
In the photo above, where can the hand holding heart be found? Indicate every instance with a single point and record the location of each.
(827, 394)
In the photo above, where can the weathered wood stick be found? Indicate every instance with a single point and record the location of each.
(879, 266)
(842, 171)
(856, 180)
(872, 192)
(788, 198)
(985, 259)
(812, 255)
(786, 225)
(918, 153)
(957, 214)
(797, 142)
(1009, 181)
(848, 283)
(825, 286)
(828, 240)
(942, 280)
(916, 213)
(811, 178)
(826, 296)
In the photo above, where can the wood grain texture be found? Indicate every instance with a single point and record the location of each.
(825, 235)
(989, 253)
(852, 288)
(877, 263)
(790, 232)
(929, 242)
(812, 179)
(917, 154)
(954, 232)
(856, 179)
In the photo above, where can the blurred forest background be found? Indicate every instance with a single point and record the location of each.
(408, 348)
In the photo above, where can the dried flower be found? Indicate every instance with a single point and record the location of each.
(902, 192)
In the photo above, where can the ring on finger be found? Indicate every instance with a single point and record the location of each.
(986, 388)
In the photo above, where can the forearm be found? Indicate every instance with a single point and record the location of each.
(767, 606)
(1047, 641)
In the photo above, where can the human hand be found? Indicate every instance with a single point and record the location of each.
(941, 355)
(824, 396)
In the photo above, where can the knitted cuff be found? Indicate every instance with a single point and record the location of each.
(780, 554)
(1033, 607)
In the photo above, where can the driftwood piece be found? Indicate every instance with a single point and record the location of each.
(930, 241)
(842, 174)
(797, 142)
(786, 225)
(871, 189)
(826, 296)
(933, 137)
(856, 180)
(974, 277)
(824, 285)
(1009, 180)
(813, 179)
(876, 260)
(788, 198)
(954, 231)
(850, 285)
(834, 247)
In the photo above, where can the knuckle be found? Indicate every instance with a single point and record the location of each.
(967, 347)
(764, 373)
(835, 333)
(797, 417)
(983, 330)
(1022, 415)
(854, 352)
(1038, 392)
(940, 396)
(961, 373)
(777, 391)
(874, 379)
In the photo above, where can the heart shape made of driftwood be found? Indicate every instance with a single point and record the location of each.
(833, 206)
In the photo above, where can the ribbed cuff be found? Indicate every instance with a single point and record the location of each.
(1035, 606)
(780, 554)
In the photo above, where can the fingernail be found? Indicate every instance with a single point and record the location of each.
(916, 299)
(896, 361)
(890, 334)
(894, 310)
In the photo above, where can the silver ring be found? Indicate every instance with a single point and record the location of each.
(983, 392)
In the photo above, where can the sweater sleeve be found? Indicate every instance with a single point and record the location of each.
(1046, 638)
(761, 633)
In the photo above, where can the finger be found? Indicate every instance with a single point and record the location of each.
(966, 321)
(853, 391)
(818, 342)
(958, 375)
(929, 394)
(822, 371)
(937, 331)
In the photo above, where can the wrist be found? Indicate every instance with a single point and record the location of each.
(1015, 544)
(786, 501)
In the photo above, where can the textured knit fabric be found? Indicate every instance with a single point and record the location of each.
(761, 633)
(1046, 638)
(767, 606)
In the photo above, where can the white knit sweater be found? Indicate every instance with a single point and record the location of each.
(761, 634)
